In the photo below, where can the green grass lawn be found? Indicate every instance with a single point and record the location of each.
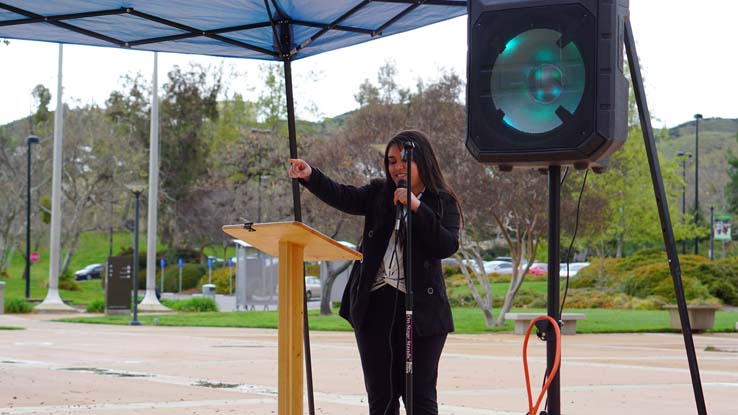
(468, 320)
(92, 248)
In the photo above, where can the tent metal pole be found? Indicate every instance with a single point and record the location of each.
(663, 208)
(298, 218)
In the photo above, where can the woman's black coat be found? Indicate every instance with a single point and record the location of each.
(435, 233)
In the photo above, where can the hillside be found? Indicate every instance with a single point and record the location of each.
(717, 140)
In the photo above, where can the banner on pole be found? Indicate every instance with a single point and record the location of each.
(723, 227)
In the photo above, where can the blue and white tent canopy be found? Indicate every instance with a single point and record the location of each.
(260, 29)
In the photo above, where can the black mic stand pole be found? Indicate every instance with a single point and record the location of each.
(407, 256)
(554, 229)
(661, 202)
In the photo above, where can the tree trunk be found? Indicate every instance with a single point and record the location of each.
(6, 259)
(327, 285)
(70, 251)
(489, 318)
(506, 306)
(484, 303)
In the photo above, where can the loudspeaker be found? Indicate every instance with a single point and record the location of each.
(545, 81)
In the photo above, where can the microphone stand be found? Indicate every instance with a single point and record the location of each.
(408, 150)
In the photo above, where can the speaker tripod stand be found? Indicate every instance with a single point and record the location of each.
(554, 173)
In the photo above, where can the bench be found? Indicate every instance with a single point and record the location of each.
(522, 321)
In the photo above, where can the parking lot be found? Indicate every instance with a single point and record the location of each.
(63, 368)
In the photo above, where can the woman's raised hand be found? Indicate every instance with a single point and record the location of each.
(299, 169)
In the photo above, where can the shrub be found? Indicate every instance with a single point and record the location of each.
(641, 258)
(721, 279)
(655, 279)
(593, 298)
(450, 270)
(187, 255)
(128, 251)
(461, 300)
(194, 304)
(220, 279)
(97, 306)
(67, 282)
(18, 306)
(527, 298)
(191, 274)
(600, 274)
(657, 256)
(456, 280)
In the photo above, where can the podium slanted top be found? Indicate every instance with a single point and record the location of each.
(266, 237)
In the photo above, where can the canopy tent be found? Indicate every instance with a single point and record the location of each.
(260, 29)
(279, 30)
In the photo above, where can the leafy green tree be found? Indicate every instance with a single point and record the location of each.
(631, 212)
(236, 118)
(130, 112)
(368, 94)
(190, 100)
(272, 102)
(95, 168)
(12, 174)
(42, 96)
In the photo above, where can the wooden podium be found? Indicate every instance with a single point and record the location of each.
(293, 243)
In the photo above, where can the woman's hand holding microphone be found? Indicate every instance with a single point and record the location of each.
(401, 197)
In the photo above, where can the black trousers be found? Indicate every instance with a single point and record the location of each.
(381, 342)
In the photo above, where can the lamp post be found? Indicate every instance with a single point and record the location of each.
(137, 189)
(31, 139)
(685, 157)
(697, 118)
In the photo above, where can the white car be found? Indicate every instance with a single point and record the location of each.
(312, 287)
(498, 267)
(574, 268)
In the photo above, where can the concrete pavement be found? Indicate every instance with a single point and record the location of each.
(64, 368)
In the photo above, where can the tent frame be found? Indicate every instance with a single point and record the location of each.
(282, 28)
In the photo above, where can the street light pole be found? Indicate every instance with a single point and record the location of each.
(697, 118)
(684, 157)
(137, 189)
(31, 139)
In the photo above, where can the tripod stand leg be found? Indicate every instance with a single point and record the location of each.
(661, 202)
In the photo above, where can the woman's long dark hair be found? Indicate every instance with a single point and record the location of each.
(424, 157)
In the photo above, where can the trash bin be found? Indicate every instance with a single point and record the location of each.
(208, 291)
(2, 297)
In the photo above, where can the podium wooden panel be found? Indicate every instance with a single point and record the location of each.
(293, 243)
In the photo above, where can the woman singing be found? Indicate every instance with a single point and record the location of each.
(373, 302)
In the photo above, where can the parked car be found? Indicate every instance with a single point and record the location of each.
(312, 287)
(538, 268)
(574, 268)
(498, 267)
(90, 272)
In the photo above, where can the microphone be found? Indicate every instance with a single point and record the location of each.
(400, 213)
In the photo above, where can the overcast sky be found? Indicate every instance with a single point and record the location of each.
(687, 49)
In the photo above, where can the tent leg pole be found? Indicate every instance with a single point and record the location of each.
(661, 203)
(298, 218)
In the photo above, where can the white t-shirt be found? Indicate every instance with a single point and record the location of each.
(391, 270)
